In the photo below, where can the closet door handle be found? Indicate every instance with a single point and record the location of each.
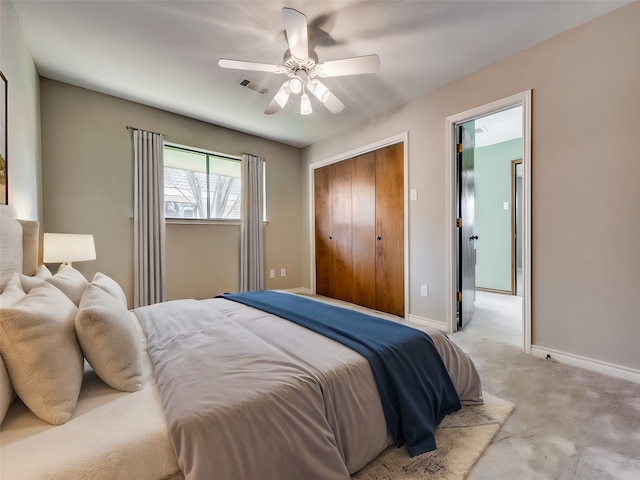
(330, 237)
(378, 237)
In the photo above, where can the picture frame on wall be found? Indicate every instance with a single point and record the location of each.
(4, 118)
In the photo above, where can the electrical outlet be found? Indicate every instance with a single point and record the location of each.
(272, 273)
(283, 272)
(424, 290)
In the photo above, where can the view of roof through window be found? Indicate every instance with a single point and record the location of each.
(201, 185)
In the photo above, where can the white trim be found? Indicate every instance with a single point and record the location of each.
(594, 365)
(193, 149)
(427, 322)
(401, 137)
(524, 99)
(201, 221)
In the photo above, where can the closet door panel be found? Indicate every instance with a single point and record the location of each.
(359, 230)
(390, 229)
(342, 271)
(323, 233)
(363, 187)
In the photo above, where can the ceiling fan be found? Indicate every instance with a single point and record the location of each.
(303, 70)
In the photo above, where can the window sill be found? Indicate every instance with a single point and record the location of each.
(204, 221)
(200, 221)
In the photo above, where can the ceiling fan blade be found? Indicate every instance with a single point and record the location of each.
(272, 108)
(279, 100)
(349, 66)
(333, 103)
(295, 26)
(242, 65)
(322, 93)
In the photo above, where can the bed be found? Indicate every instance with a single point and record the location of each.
(186, 389)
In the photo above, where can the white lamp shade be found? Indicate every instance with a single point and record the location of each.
(68, 247)
(305, 104)
(295, 84)
(283, 95)
(319, 90)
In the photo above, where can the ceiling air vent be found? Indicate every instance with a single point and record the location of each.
(253, 85)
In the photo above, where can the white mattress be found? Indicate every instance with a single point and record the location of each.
(112, 435)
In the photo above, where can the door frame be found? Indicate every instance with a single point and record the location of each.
(519, 99)
(401, 137)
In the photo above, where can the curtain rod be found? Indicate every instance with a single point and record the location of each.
(129, 127)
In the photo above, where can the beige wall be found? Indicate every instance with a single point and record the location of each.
(585, 179)
(87, 188)
(24, 119)
(585, 175)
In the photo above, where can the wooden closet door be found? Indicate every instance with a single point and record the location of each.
(323, 233)
(363, 187)
(342, 270)
(390, 229)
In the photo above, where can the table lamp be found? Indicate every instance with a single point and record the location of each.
(68, 247)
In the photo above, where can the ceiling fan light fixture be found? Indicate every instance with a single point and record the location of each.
(305, 105)
(283, 95)
(300, 65)
(319, 90)
(295, 84)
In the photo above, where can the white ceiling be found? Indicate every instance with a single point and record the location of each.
(164, 53)
(498, 127)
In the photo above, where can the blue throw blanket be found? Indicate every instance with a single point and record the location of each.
(414, 385)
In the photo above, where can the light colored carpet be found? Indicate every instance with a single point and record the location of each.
(462, 437)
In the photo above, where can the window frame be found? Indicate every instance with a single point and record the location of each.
(208, 221)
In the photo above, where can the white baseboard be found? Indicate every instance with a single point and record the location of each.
(599, 366)
(427, 322)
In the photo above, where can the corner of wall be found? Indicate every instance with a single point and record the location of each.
(24, 166)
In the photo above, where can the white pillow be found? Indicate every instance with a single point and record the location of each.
(109, 339)
(11, 295)
(110, 286)
(7, 395)
(70, 281)
(13, 292)
(29, 282)
(39, 347)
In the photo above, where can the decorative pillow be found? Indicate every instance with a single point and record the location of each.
(12, 292)
(7, 395)
(109, 339)
(70, 281)
(39, 347)
(29, 282)
(110, 286)
(30, 237)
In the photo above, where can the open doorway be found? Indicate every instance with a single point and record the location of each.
(497, 203)
(501, 205)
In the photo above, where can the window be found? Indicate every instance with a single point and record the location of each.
(200, 184)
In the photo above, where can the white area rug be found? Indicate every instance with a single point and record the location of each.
(462, 437)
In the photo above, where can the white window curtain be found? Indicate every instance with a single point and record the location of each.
(148, 220)
(252, 237)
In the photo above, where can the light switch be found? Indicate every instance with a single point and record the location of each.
(272, 273)
(505, 206)
(424, 290)
(283, 272)
(414, 194)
